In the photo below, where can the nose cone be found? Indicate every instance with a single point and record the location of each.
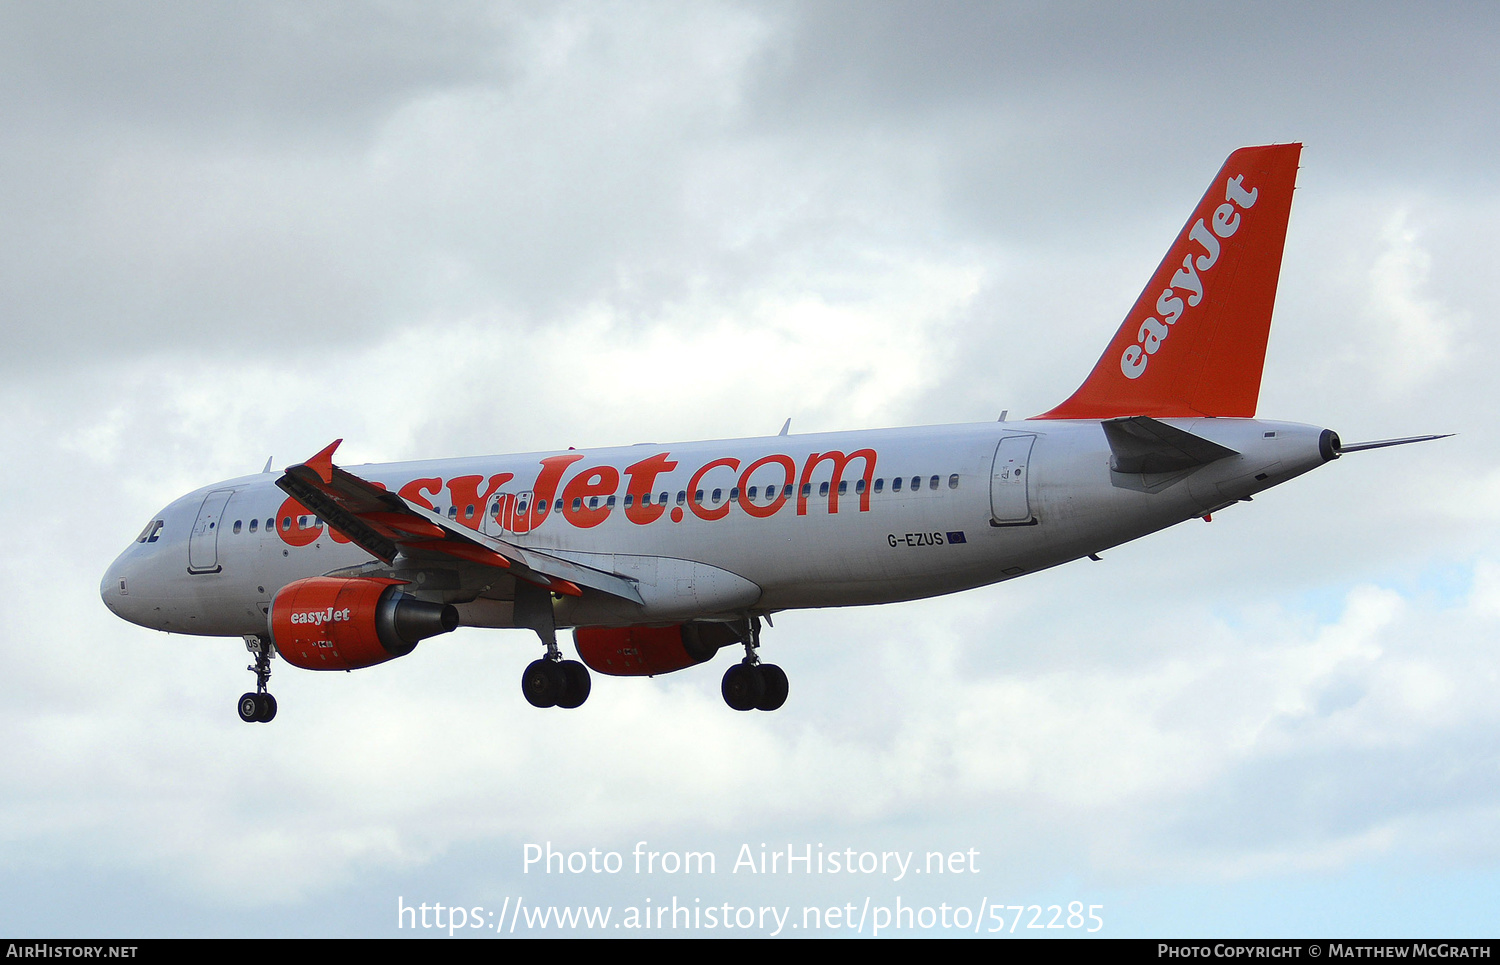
(114, 589)
(127, 588)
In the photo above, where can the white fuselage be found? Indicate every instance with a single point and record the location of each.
(770, 531)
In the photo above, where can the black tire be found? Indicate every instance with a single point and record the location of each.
(744, 686)
(249, 708)
(543, 683)
(578, 684)
(267, 711)
(776, 687)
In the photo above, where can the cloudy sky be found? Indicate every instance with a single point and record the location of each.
(237, 231)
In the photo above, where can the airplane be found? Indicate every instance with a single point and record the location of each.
(657, 557)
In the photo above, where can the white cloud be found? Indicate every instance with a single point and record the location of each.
(1414, 332)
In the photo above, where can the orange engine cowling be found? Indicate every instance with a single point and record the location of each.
(648, 651)
(324, 623)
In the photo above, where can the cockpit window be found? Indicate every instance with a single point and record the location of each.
(151, 532)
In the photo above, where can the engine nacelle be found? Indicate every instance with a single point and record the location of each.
(648, 651)
(324, 623)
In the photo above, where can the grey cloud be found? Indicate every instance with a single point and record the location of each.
(239, 72)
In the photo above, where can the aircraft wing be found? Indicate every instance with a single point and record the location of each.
(385, 525)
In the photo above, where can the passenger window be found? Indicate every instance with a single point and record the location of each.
(896, 485)
(806, 489)
(681, 496)
(630, 500)
(932, 483)
(286, 523)
(718, 495)
(577, 503)
(916, 483)
(593, 502)
(610, 502)
(843, 487)
(823, 490)
(734, 493)
(880, 485)
(953, 481)
(859, 487)
(252, 524)
(236, 527)
(753, 489)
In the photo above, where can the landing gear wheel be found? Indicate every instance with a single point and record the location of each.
(257, 708)
(544, 683)
(267, 708)
(744, 686)
(577, 687)
(776, 687)
(250, 708)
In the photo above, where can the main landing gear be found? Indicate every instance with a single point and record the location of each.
(258, 707)
(555, 682)
(752, 685)
(550, 681)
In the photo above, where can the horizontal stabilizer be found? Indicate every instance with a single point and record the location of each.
(1142, 444)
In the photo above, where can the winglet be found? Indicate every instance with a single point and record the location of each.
(322, 463)
(1194, 343)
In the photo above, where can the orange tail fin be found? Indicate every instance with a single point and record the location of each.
(1195, 342)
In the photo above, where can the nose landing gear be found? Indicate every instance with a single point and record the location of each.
(258, 707)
